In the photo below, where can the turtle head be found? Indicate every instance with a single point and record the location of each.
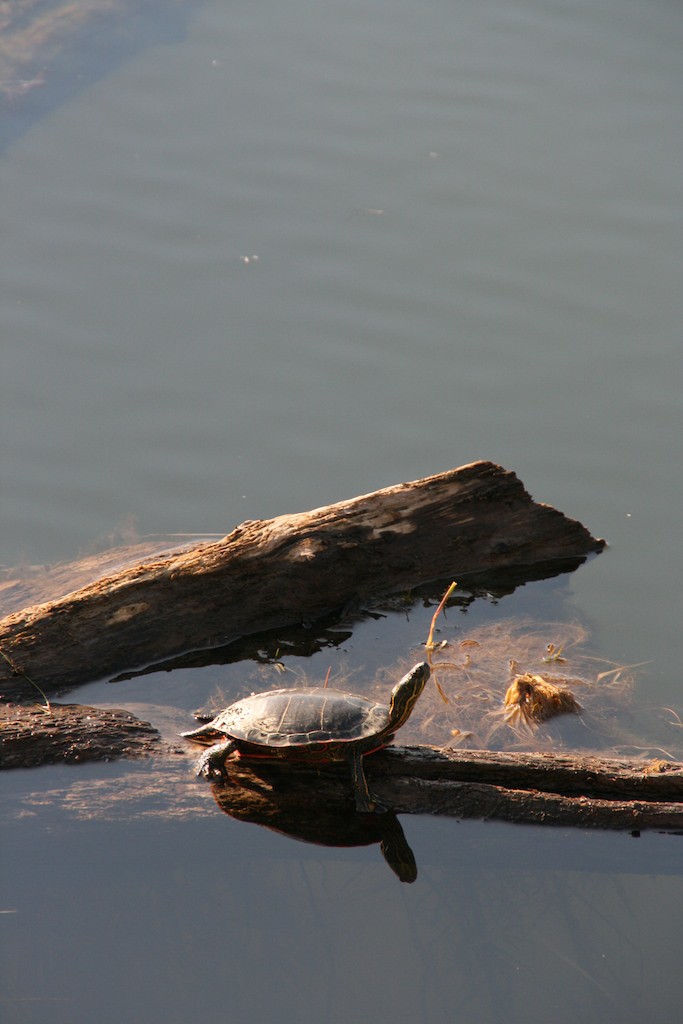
(405, 694)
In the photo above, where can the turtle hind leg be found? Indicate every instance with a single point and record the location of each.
(212, 760)
(364, 802)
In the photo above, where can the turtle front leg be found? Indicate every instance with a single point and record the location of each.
(212, 760)
(364, 802)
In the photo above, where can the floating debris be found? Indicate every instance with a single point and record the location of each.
(477, 667)
(532, 698)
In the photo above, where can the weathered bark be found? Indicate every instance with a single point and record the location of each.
(266, 574)
(70, 733)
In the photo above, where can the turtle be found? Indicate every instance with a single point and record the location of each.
(310, 724)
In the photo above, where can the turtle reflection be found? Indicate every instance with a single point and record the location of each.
(285, 799)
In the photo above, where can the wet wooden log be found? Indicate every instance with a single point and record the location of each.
(477, 519)
(547, 789)
(70, 734)
(543, 789)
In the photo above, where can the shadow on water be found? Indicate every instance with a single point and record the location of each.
(335, 629)
(50, 51)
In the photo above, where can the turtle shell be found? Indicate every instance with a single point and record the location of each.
(314, 717)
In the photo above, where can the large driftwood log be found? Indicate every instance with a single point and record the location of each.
(266, 574)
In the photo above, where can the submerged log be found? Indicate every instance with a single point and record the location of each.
(470, 522)
(548, 789)
(70, 733)
(544, 789)
(51, 43)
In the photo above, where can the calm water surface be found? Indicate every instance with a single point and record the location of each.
(303, 252)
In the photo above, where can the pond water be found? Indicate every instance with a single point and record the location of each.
(293, 254)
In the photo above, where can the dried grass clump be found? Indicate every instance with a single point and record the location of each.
(532, 698)
(516, 678)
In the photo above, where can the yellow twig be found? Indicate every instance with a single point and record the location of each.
(431, 646)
